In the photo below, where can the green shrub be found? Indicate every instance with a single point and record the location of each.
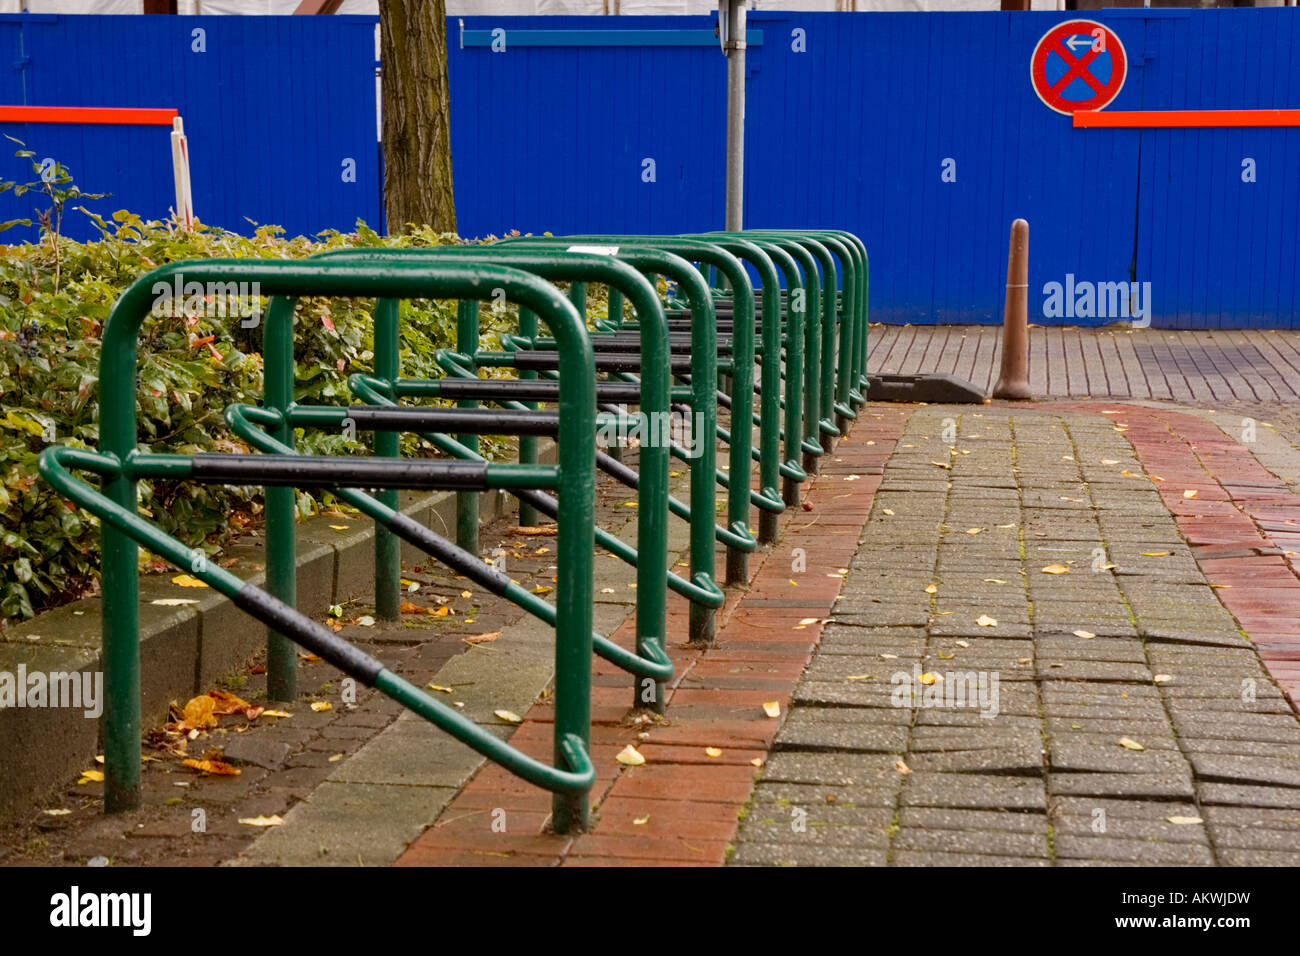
(55, 296)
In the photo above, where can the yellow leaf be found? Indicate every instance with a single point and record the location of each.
(443, 611)
(339, 527)
(974, 530)
(1154, 554)
(56, 813)
(994, 581)
(888, 511)
(1109, 461)
(439, 687)
(902, 767)
(91, 776)
(1056, 569)
(1086, 635)
(757, 762)
(529, 530)
(482, 638)
(173, 602)
(963, 643)
(946, 657)
(187, 581)
(335, 758)
(932, 589)
(260, 821)
(543, 589)
(467, 594)
(1184, 821)
(861, 677)
(629, 757)
(509, 716)
(928, 679)
(641, 821)
(985, 621)
(1162, 678)
(1129, 744)
(713, 751)
(218, 767)
(321, 705)
(1189, 493)
(772, 708)
(276, 713)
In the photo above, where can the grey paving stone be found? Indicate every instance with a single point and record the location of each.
(970, 791)
(924, 858)
(1177, 786)
(1147, 852)
(762, 854)
(944, 818)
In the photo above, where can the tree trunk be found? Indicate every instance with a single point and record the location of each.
(417, 115)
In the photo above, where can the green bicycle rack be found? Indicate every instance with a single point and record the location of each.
(120, 463)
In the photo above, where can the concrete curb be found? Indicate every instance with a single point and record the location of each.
(183, 649)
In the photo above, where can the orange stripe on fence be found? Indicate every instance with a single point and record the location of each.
(1147, 119)
(103, 115)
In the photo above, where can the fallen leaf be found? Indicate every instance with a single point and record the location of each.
(335, 758)
(606, 590)
(1056, 569)
(994, 581)
(482, 638)
(260, 821)
(543, 589)
(91, 776)
(173, 602)
(1086, 635)
(365, 620)
(321, 705)
(861, 677)
(757, 762)
(56, 813)
(888, 511)
(1189, 493)
(509, 716)
(276, 713)
(439, 687)
(1154, 554)
(339, 527)
(928, 679)
(889, 657)
(187, 581)
(985, 621)
(713, 751)
(974, 530)
(902, 767)
(808, 620)
(530, 530)
(1184, 821)
(963, 643)
(772, 708)
(1130, 744)
(1109, 461)
(942, 464)
(932, 589)
(1162, 678)
(217, 767)
(946, 657)
(199, 714)
(629, 757)
(641, 821)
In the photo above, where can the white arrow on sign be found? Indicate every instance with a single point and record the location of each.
(1076, 41)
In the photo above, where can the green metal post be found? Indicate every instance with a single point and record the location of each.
(281, 503)
(467, 340)
(388, 547)
(527, 443)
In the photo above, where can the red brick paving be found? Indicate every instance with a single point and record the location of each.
(687, 802)
(1243, 525)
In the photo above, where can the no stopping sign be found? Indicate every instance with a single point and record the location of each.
(1078, 65)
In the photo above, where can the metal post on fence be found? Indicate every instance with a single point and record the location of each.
(731, 31)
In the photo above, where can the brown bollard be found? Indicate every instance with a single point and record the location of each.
(1013, 379)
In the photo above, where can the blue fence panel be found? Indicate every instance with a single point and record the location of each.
(273, 107)
(557, 138)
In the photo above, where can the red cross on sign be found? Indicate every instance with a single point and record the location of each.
(1078, 65)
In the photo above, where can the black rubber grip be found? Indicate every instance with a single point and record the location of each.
(322, 471)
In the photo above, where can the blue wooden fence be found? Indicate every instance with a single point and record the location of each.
(616, 124)
(273, 107)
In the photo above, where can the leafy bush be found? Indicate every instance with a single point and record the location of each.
(55, 296)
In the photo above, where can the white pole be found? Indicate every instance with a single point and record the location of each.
(181, 175)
